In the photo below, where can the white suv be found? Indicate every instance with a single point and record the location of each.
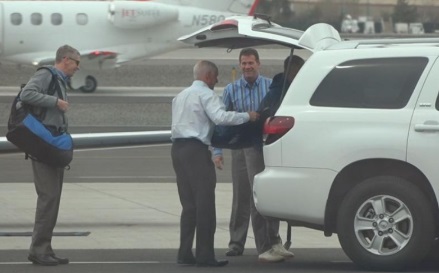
(354, 146)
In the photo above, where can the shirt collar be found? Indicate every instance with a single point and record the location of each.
(200, 83)
(256, 83)
(62, 75)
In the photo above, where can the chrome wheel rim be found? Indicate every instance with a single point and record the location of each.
(383, 225)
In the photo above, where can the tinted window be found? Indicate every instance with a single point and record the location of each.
(16, 19)
(56, 19)
(36, 18)
(372, 83)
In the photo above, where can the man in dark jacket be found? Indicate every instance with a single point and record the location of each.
(279, 86)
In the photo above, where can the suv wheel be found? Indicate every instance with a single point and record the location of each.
(385, 223)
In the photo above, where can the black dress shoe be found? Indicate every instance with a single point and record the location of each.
(186, 261)
(60, 260)
(43, 259)
(233, 252)
(214, 263)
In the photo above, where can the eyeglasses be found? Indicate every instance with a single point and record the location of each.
(76, 61)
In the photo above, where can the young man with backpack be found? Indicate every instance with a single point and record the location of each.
(48, 179)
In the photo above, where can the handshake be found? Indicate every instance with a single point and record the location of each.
(254, 116)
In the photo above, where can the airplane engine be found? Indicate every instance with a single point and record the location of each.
(138, 15)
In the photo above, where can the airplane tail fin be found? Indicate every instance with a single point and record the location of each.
(233, 6)
(239, 6)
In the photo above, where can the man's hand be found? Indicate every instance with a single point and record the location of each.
(62, 105)
(254, 116)
(219, 162)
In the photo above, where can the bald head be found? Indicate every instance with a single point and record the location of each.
(203, 68)
(207, 72)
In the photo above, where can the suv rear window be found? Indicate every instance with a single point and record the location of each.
(385, 83)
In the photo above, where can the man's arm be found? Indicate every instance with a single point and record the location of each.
(218, 158)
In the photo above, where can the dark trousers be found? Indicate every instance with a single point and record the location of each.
(196, 181)
(48, 184)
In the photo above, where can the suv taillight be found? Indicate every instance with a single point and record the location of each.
(276, 127)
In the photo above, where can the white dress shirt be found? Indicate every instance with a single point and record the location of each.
(196, 110)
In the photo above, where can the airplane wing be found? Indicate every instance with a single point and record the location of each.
(102, 140)
(34, 58)
(89, 58)
(99, 59)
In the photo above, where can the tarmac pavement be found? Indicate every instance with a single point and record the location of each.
(121, 216)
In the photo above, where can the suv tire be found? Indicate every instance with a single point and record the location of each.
(379, 212)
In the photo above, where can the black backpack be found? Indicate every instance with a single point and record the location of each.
(26, 131)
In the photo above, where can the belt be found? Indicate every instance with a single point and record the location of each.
(186, 139)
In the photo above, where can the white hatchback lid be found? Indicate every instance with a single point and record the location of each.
(248, 31)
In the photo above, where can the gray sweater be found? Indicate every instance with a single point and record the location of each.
(35, 94)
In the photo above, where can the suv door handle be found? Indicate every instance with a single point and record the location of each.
(426, 127)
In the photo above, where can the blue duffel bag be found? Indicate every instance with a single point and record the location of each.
(37, 141)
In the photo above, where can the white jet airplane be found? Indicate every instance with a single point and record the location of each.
(107, 33)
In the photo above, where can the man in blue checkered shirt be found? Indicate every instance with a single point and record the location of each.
(243, 95)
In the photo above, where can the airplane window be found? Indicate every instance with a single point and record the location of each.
(36, 18)
(56, 19)
(81, 18)
(16, 19)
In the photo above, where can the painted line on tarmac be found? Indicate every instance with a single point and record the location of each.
(119, 262)
(97, 262)
(124, 147)
(127, 177)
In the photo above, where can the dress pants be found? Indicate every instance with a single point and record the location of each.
(246, 163)
(196, 181)
(48, 185)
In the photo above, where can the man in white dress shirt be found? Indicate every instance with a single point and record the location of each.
(195, 111)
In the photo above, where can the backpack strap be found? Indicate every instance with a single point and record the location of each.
(53, 87)
(54, 84)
